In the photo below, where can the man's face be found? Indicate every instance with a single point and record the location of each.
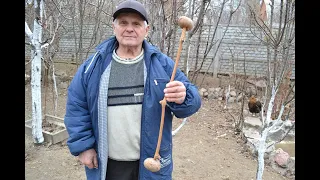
(130, 29)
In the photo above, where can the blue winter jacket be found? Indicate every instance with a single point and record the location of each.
(87, 129)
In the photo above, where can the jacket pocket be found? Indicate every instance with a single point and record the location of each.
(165, 155)
(165, 161)
(158, 85)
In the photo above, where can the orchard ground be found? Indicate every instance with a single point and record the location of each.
(205, 148)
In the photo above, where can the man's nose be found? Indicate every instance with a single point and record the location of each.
(129, 28)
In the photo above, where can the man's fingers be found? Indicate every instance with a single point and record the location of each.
(88, 164)
(174, 83)
(95, 162)
(175, 89)
(175, 95)
(92, 163)
(89, 158)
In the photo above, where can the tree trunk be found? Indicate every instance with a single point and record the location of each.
(261, 151)
(36, 84)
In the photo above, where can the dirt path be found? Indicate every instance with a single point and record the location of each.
(204, 148)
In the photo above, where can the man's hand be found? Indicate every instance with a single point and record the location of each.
(89, 158)
(175, 91)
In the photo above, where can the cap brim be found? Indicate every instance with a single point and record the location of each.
(124, 10)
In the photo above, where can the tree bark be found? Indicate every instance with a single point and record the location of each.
(36, 83)
(36, 57)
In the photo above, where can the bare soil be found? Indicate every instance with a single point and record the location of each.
(205, 148)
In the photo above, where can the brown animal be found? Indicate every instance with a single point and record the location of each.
(254, 105)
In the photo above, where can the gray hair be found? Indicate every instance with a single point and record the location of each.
(144, 22)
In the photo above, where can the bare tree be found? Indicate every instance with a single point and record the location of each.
(89, 20)
(231, 13)
(36, 43)
(239, 121)
(198, 23)
(279, 37)
(158, 17)
(55, 19)
(198, 42)
(44, 45)
(163, 30)
(207, 14)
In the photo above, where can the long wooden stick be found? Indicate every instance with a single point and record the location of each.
(164, 101)
(153, 164)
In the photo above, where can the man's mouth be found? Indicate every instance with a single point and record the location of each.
(129, 37)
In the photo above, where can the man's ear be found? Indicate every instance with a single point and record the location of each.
(147, 30)
(113, 28)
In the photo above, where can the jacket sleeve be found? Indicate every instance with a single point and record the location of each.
(192, 102)
(77, 118)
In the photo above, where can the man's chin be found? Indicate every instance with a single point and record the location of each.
(130, 44)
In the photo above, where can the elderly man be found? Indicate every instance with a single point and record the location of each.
(113, 111)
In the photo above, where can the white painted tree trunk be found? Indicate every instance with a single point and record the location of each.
(261, 150)
(36, 85)
(264, 134)
(55, 90)
(36, 57)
